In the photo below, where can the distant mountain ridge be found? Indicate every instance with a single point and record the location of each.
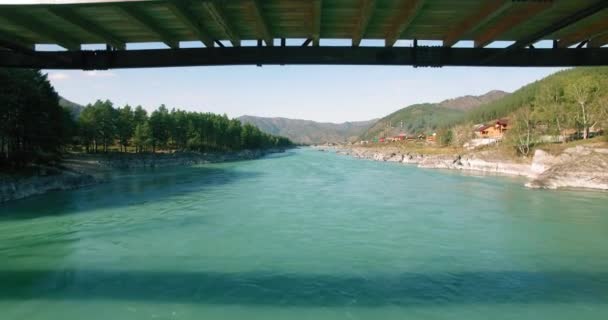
(75, 108)
(469, 102)
(427, 117)
(308, 131)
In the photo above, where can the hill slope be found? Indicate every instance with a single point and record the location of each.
(423, 118)
(309, 132)
(532, 94)
(75, 108)
(467, 103)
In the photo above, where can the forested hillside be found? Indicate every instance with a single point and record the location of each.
(561, 89)
(568, 105)
(309, 132)
(428, 117)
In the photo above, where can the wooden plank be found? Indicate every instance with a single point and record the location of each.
(524, 12)
(473, 22)
(42, 29)
(188, 19)
(16, 43)
(316, 12)
(561, 24)
(216, 11)
(366, 10)
(261, 23)
(583, 34)
(403, 19)
(68, 15)
(147, 22)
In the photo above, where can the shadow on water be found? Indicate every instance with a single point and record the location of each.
(127, 188)
(409, 289)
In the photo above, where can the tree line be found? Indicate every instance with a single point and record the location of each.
(35, 128)
(101, 125)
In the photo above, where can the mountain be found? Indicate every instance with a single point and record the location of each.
(467, 103)
(307, 131)
(75, 108)
(426, 117)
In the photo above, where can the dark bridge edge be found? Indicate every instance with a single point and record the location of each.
(412, 56)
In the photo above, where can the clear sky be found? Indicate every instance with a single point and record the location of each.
(320, 93)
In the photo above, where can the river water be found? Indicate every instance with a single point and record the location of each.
(305, 235)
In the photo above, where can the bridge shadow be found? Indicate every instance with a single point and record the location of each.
(265, 289)
(125, 189)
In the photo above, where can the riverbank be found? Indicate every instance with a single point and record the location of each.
(82, 170)
(582, 166)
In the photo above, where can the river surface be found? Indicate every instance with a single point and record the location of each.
(305, 235)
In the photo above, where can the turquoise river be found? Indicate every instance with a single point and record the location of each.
(305, 235)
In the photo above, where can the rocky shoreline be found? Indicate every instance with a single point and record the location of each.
(82, 170)
(577, 167)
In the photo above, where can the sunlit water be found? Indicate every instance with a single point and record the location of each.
(305, 235)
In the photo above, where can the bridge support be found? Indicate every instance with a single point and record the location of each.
(418, 56)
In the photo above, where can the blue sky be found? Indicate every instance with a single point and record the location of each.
(321, 93)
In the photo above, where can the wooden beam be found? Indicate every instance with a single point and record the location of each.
(472, 23)
(316, 12)
(147, 22)
(42, 29)
(598, 41)
(188, 19)
(366, 10)
(425, 57)
(524, 12)
(218, 15)
(583, 34)
(16, 43)
(71, 17)
(262, 25)
(404, 17)
(562, 23)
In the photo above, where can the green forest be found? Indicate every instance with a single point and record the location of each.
(570, 104)
(555, 99)
(34, 128)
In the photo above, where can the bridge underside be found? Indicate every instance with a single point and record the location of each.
(578, 31)
(413, 56)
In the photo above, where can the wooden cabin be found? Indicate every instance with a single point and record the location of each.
(400, 137)
(492, 131)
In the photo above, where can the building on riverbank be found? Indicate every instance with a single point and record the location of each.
(495, 130)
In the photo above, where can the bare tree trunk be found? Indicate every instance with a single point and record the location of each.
(585, 124)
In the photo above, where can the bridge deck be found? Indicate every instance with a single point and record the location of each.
(72, 23)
